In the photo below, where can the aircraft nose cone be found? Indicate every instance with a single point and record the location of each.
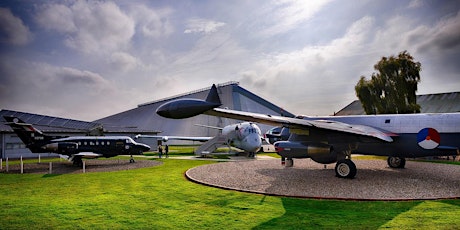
(146, 148)
(254, 143)
(163, 111)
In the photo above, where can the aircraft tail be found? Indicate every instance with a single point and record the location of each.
(213, 96)
(33, 138)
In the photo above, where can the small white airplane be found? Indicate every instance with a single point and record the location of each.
(332, 139)
(245, 136)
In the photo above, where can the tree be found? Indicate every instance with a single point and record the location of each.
(392, 89)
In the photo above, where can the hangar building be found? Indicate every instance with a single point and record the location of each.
(141, 120)
(232, 95)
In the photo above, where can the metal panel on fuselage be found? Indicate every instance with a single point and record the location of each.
(406, 145)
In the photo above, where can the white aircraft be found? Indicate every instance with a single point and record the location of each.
(245, 136)
(333, 139)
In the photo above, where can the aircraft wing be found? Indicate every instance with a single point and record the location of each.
(183, 138)
(301, 123)
(209, 127)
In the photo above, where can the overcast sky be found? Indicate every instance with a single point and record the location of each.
(90, 59)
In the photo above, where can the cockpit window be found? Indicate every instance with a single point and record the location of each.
(129, 140)
(253, 129)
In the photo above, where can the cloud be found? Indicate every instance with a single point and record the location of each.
(12, 29)
(285, 15)
(315, 79)
(200, 25)
(74, 76)
(303, 55)
(152, 22)
(48, 78)
(89, 27)
(57, 17)
(42, 88)
(123, 61)
(443, 37)
(415, 4)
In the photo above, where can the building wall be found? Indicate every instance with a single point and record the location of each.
(13, 148)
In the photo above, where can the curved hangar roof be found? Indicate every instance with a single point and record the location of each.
(48, 123)
(231, 94)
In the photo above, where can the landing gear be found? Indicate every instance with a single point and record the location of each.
(345, 169)
(396, 162)
(131, 160)
(77, 162)
(289, 162)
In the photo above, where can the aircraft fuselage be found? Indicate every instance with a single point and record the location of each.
(107, 146)
(414, 135)
(246, 136)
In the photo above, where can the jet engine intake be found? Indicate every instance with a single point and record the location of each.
(321, 153)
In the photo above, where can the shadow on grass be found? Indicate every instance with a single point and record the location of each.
(319, 214)
(50, 175)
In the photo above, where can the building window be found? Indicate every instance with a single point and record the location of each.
(15, 146)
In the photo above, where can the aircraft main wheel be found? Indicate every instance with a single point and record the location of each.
(77, 162)
(289, 163)
(345, 169)
(396, 162)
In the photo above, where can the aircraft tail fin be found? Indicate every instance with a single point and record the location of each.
(33, 138)
(213, 96)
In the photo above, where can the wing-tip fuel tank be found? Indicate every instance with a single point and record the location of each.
(189, 107)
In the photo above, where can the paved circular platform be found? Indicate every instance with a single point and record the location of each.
(374, 180)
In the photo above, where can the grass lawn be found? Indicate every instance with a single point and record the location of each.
(162, 198)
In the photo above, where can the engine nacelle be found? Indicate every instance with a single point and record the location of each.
(277, 134)
(61, 147)
(321, 153)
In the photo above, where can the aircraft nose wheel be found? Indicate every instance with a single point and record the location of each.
(345, 169)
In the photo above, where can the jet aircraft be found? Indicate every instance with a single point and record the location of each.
(75, 147)
(245, 136)
(332, 139)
